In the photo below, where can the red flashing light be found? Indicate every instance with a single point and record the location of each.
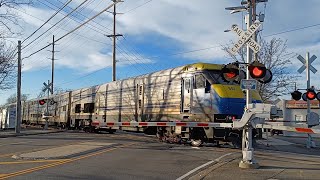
(230, 72)
(311, 95)
(42, 102)
(231, 75)
(257, 72)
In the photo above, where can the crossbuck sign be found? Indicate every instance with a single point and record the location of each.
(47, 87)
(304, 62)
(245, 37)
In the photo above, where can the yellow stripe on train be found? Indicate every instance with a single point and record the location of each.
(232, 91)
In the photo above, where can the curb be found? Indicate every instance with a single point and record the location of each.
(31, 133)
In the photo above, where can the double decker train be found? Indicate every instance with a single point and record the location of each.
(190, 93)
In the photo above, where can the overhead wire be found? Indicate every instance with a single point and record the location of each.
(72, 30)
(133, 8)
(202, 49)
(55, 24)
(136, 52)
(127, 54)
(47, 21)
(63, 14)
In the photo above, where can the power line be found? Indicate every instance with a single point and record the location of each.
(138, 6)
(55, 24)
(72, 30)
(292, 30)
(47, 21)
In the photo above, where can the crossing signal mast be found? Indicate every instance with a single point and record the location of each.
(255, 71)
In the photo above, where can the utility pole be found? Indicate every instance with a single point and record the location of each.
(114, 36)
(18, 110)
(52, 71)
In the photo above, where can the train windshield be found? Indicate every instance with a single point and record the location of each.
(214, 77)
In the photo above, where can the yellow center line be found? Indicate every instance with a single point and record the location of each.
(60, 162)
(25, 162)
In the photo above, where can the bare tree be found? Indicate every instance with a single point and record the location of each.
(274, 55)
(57, 90)
(7, 66)
(9, 18)
(13, 98)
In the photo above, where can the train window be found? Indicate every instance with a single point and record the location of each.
(187, 84)
(199, 81)
(207, 89)
(77, 109)
(140, 90)
(88, 108)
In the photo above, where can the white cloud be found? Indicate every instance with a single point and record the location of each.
(177, 24)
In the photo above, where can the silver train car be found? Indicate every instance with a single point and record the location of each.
(190, 93)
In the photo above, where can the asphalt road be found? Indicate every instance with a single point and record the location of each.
(129, 156)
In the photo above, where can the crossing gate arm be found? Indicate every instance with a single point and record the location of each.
(155, 124)
(313, 130)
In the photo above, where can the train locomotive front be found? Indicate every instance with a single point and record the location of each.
(206, 97)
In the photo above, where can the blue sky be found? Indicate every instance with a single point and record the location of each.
(158, 34)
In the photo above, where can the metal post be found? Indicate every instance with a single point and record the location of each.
(52, 71)
(18, 110)
(309, 140)
(247, 150)
(47, 109)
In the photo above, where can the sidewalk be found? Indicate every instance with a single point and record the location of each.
(25, 132)
(277, 161)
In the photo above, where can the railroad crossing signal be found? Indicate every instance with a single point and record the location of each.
(230, 72)
(245, 37)
(309, 95)
(296, 95)
(257, 71)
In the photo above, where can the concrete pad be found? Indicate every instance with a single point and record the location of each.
(63, 151)
(275, 165)
(274, 142)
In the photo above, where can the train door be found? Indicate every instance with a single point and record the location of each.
(186, 94)
(141, 99)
